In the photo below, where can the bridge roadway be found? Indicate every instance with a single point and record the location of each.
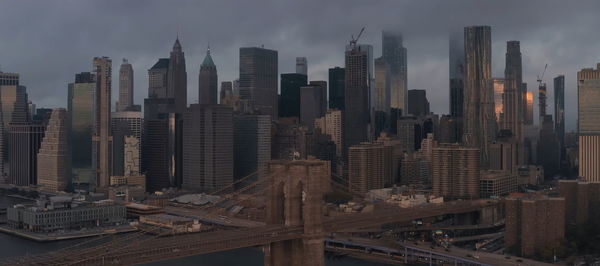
(163, 248)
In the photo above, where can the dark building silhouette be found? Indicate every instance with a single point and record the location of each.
(258, 79)
(548, 148)
(337, 78)
(323, 97)
(252, 143)
(418, 104)
(559, 109)
(310, 107)
(290, 94)
(207, 81)
(207, 147)
(356, 95)
(226, 90)
(457, 72)
(177, 78)
(81, 117)
(24, 139)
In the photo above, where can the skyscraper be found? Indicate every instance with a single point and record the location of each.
(457, 68)
(366, 166)
(207, 88)
(559, 109)
(125, 102)
(478, 109)
(337, 78)
(177, 78)
(589, 123)
(207, 147)
(258, 79)
(394, 55)
(331, 124)
(226, 91)
(125, 125)
(81, 121)
(322, 105)
(102, 138)
(54, 166)
(513, 96)
(252, 143)
(381, 96)
(24, 140)
(542, 92)
(357, 111)
(529, 107)
(498, 87)
(158, 79)
(310, 107)
(9, 86)
(290, 94)
(301, 66)
(418, 105)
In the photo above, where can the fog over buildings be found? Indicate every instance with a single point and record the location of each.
(544, 28)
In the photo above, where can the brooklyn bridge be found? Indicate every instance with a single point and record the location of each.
(296, 224)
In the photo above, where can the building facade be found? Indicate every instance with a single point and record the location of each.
(290, 94)
(252, 143)
(125, 125)
(337, 87)
(455, 172)
(102, 137)
(479, 125)
(258, 79)
(588, 81)
(125, 102)
(356, 103)
(81, 121)
(207, 147)
(53, 162)
(207, 81)
(177, 78)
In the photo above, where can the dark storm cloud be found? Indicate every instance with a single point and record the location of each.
(47, 42)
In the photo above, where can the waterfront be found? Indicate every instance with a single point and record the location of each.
(15, 246)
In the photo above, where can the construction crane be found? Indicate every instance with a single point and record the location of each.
(540, 78)
(542, 94)
(354, 40)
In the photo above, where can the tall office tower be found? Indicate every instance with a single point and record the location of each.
(125, 102)
(207, 85)
(381, 96)
(394, 55)
(102, 138)
(226, 91)
(559, 109)
(331, 124)
(455, 171)
(177, 78)
(311, 107)
(258, 79)
(81, 122)
(529, 108)
(588, 86)
(418, 105)
(252, 143)
(524, 110)
(159, 134)
(322, 106)
(457, 72)
(207, 147)
(498, 87)
(301, 66)
(337, 79)
(24, 140)
(290, 94)
(54, 166)
(9, 84)
(513, 96)
(542, 92)
(366, 165)
(478, 120)
(549, 148)
(356, 96)
(125, 125)
(132, 159)
(158, 79)
(31, 109)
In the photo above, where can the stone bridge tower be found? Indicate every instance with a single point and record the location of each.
(295, 198)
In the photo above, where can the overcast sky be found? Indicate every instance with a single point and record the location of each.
(47, 42)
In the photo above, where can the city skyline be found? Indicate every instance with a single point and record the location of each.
(545, 40)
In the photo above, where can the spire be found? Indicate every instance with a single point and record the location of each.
(208, 62)
(177, 45)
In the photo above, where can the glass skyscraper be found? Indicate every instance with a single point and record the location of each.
(81, 118)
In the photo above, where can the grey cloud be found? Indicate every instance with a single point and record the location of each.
(49, 41)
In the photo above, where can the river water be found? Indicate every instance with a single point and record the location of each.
(13, 246)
